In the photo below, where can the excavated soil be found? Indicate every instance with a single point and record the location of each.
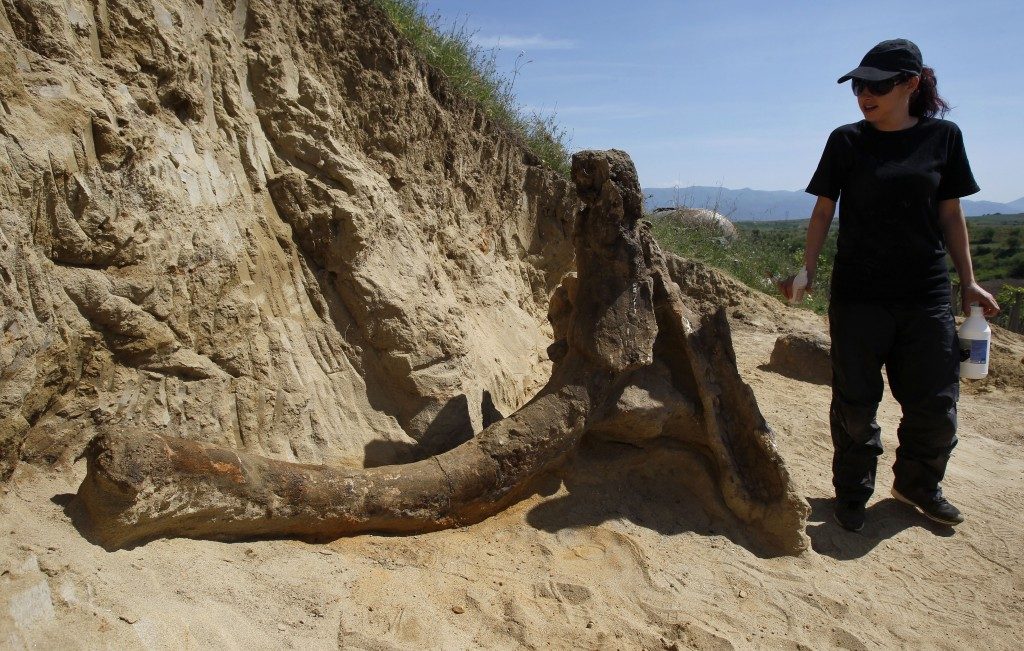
(263, 225)
(272, 227)
(613, 553)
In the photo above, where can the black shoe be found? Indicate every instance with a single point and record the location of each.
(850, 515)
(937, 508)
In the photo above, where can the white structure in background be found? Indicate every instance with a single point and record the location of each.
(702, 218)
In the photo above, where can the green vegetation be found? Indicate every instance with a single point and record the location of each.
(473, 73)
(764, 252)
(1008, 294)
(761, 254)
(996, 247)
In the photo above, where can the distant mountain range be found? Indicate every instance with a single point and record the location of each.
(770, 205)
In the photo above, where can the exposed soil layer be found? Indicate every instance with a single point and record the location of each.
(263, 225)
(613, 552)
(271, 229)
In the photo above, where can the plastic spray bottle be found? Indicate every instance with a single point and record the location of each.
(799, 286)
(975, 339)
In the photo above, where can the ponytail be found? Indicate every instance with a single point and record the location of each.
(926, 102)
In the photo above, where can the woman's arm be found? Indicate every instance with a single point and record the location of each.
(954, 230)
(817, 231)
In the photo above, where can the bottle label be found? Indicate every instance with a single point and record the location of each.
(974, 351)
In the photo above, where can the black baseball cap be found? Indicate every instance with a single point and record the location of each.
(886, 60)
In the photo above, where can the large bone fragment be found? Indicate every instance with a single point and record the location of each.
(141, 486)
(631, 363)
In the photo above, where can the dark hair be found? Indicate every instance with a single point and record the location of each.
(926, 102)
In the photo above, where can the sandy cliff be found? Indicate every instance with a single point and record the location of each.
(266, 225)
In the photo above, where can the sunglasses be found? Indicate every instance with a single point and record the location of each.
(876, 88)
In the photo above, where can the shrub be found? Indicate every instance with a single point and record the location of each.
(1007, 252)
(473, 73)
(757, 257)
(1016, 269)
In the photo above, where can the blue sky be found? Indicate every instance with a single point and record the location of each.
(743, 94)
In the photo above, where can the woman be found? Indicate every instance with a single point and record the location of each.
(899, 173)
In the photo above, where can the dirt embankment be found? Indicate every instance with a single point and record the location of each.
(269, 226)
(266, 225)
(613, 552)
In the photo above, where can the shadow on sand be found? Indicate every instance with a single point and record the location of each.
(668, 488)
(885, 519)
(451, 427)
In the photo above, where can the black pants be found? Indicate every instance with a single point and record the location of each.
(919, 349)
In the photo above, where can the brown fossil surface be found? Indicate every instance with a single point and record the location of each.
(631, 363)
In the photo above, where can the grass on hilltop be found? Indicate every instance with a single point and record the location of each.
(996, 246)
(761, 254)
(766, 251)
(472, 72)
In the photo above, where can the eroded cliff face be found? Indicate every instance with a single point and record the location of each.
(262, 225)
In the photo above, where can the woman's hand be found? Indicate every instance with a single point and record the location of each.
(973, 293)
(786, 285)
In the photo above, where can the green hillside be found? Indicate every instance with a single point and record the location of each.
(764, 252)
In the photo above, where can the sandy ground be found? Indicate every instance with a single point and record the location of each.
(614, 553)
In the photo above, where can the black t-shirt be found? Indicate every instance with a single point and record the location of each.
(889, 185)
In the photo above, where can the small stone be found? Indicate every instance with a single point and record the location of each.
(590, 624)
(803, 356)
(743, 594)
(32, 605)
(458, 610)
(281, 627)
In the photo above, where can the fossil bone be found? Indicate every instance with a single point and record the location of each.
(632, 363)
